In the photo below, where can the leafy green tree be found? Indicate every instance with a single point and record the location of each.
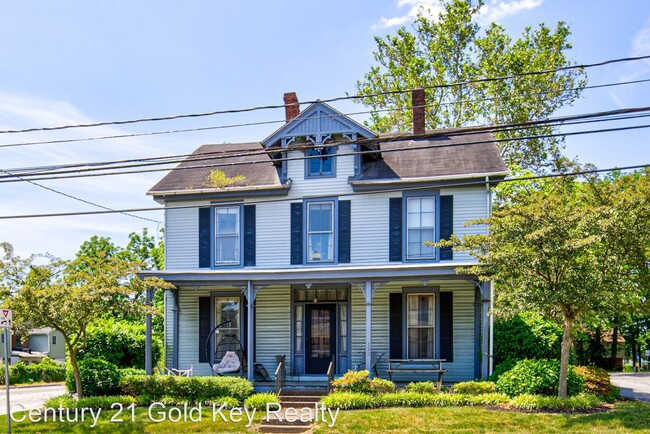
(547, 251)
(13, 269)
(451, 49)
(70, 295)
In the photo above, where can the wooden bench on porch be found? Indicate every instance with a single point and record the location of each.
(433, 366)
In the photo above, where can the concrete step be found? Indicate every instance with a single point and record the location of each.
(293, 391)
(274, 421)
(297, 404)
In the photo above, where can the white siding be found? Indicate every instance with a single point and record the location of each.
(273, 326)
(181, 238)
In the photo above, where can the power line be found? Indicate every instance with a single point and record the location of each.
(593, 117)
(278, 121)
(353, 97)
(284, 199)
(81, 200)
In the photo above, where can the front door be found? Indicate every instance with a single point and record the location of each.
(320, 337)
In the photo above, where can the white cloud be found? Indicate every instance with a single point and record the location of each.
(495, 10)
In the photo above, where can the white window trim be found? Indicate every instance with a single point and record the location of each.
(236, 235)
(331, 232)
(420, 228)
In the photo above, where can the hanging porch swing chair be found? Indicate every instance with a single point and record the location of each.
(228, 357)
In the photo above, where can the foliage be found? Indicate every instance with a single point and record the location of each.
(583, 401)
(349, 400)
(71, 295)
(360, 382)
(47, 371)
(150, 388)
(526, 336)
(554, 249)
(219, 179)
(131, 371)
(423, 387)
(354, 400)
(597, 382)
(98, 378)
(259, 401)
(537, 377)
(475, 387)
(449, 48)
(119, 342)
(94, 402)
(502, 368)
(13, 270)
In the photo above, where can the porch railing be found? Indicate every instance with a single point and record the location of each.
(331, 370)
(279, 377)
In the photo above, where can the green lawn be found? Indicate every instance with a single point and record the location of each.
(626, 417)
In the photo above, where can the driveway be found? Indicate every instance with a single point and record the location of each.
(29, 397)
(633, 385)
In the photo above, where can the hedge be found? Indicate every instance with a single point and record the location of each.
(150, 388)
(526, 336)
(98, 378)
(47, 371)
(537, 377)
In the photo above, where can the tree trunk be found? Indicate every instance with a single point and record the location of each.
(633, 352)
(75, 370)
(612, 357)
(564, 357)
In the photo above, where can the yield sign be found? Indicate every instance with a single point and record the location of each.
(6, 318)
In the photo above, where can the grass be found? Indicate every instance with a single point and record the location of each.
(626, 417)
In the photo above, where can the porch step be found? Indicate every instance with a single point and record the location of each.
(283, 428)
(293, 391)
(305, 399)
(297, 399)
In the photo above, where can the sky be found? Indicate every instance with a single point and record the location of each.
(80, 62)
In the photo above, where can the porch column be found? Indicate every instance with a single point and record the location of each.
(176, 328)
(148, 357)
(250, 299)
(368, 293)
(485, 330)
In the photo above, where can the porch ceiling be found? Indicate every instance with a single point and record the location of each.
(418, 271)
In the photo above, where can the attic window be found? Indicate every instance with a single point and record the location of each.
(320, 162)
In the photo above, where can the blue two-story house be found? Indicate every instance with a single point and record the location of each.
(316, 251)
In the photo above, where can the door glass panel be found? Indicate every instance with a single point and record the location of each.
(299, 329)
(320, 339)
(226, 309)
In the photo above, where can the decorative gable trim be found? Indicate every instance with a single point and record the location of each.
(317, 123)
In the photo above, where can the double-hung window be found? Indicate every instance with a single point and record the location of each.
(227, 245)
(320, 162)
(420, 326)
(420, 218)
(320, 231)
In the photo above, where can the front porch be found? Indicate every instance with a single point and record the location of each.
(313, 320)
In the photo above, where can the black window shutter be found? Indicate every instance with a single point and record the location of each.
(446, 225)
(447, 326)
(395, 325)
(344, 231)
(395, 229)
(204, 237)
(204, 327)
(296, 233)
(249, 235)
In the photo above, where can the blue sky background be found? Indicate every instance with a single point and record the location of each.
(78, 61)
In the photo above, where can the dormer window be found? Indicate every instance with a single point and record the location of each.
(320, 162)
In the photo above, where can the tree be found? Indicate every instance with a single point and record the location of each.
(13, 270)
(450, 49)
(70, 295)
(547, 250)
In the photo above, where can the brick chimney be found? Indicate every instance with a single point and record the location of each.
(291, 106)
(418, 110)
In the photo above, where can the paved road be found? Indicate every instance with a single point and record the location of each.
(29, 397)
(633, 385)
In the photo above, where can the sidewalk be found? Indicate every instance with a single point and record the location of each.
(29, 397)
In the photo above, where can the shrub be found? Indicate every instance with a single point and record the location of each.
(350, 401)
(475, 387)
(131, 371)
(47, 371)
(526, 336)
(537, 377)
(583, 401)
(98, 377)
(150, 388)
(501, 369)
(229, 401)
(360, 382)
(491, 399)
(423, 387)
(120, 343)
(259, 401)
(597, 382)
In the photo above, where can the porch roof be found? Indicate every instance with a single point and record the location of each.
(356, 273)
